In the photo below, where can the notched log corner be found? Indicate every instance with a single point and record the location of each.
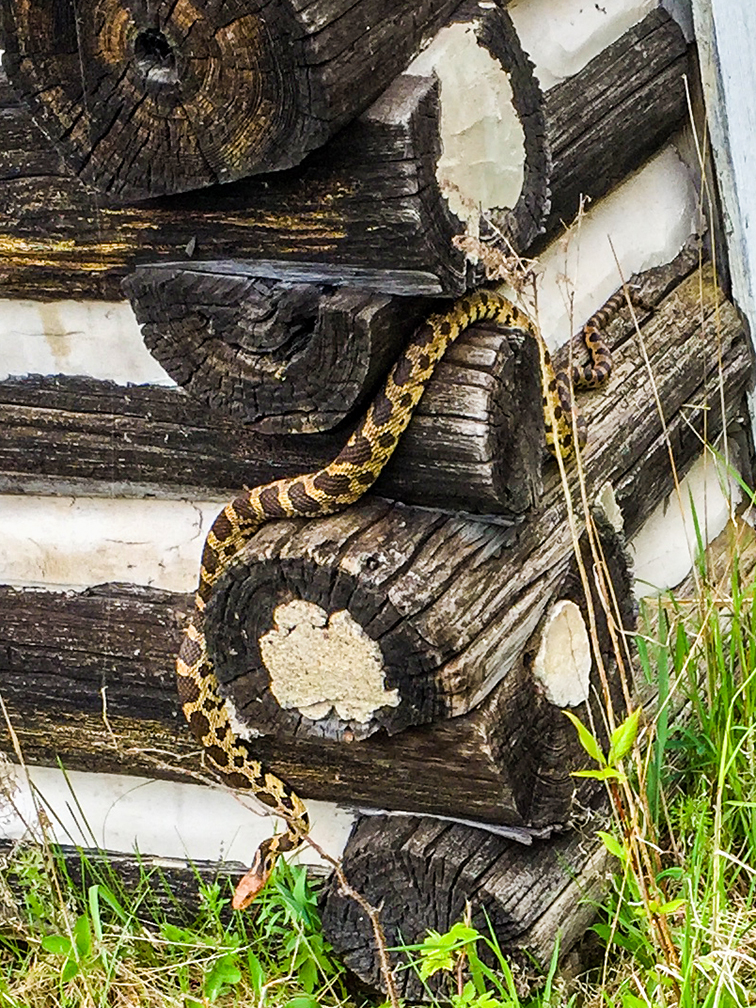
(358, 627)
(376, 196)
(277, 355)
(144, 100)
(423, 874)
(88, 679)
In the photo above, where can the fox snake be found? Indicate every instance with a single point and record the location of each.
(331, 489)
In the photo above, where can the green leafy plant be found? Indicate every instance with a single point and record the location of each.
(469, 981)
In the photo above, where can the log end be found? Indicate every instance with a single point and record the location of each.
(278, 355)
(139, 109)
(310, 646)
(424, 874)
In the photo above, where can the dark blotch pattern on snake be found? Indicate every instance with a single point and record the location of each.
(332, 489)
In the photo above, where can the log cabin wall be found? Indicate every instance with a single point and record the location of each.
(119, 445)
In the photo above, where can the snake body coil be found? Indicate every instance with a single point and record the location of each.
(331, 489)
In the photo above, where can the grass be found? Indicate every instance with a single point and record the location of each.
(678, 927)
(90, 943)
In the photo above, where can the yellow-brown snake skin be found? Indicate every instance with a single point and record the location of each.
(332, 489)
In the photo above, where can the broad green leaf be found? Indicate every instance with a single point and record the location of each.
(177, 935)
(623, 737)
(82, 936)
(675, 872)
(612, 845)
(587, 741)
(224, 972)
(70, 969)
(671, 906)
(256, 972)
(57, 944)
(631, 1001)
(308, 976)
(304, 1001)
(606, 773)
(462, 933)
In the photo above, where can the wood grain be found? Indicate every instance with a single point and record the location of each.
(634, 93)
(473, 444)
(369, 198)
(423, 873)
(144, 99)
(278, 356)
(86, 436)
(88, 679)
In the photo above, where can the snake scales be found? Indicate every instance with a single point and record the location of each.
(331, 489)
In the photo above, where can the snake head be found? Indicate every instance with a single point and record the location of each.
(256, 878)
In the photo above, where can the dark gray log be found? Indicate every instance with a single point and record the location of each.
(370, 198)
(694, 347)
(279, 357)
(50, 640)
(77, 435)
(423, 873)
(88, 679)
(427, 614)
(633, 93)
(464, 452)
(461, 450)
(145, 99)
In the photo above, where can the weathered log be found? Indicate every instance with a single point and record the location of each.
(461, 450)
(685, 340)
(277, 356)
(465, 451)
(382, 618)
(379, 195)
(147, 99)
(107, 701)
(369, 199)
(692, 362)
(423, 874)
(645, 102)
(175, 885)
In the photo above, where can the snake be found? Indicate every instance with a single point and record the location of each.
(329, 490)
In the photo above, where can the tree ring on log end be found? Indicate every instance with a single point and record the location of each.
(342, 682)
(145, 98)
(280, 356)
(144, 101)
(423, 873)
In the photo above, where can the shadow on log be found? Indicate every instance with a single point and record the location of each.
(145, 99)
